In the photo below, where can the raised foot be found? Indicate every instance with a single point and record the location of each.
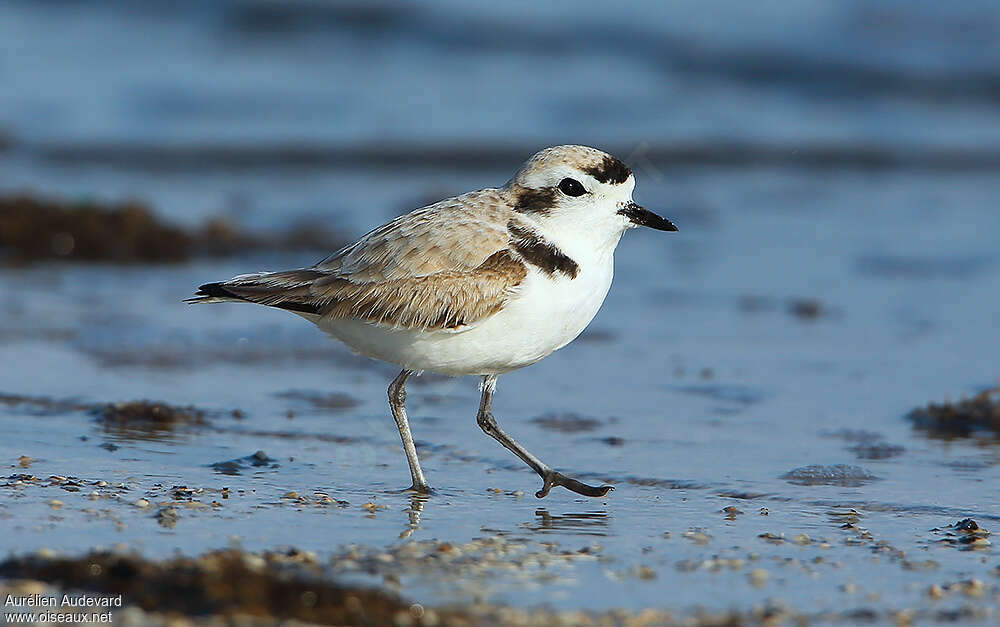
(554, 478)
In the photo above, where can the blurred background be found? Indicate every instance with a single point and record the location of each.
(832, 167)
(290, 108)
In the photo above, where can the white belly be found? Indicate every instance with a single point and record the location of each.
(547, 314)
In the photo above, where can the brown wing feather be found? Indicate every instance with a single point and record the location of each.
(444, 300)
(459, 233)
(440, 267)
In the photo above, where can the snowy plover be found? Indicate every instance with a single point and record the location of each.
(479, 284)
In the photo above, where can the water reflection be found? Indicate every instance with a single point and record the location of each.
(413, 512)
(586, 523)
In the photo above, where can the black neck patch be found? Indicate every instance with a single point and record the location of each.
(540, 253)
(609, 170)
(534, 200)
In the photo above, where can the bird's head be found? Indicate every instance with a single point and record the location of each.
(577, 188)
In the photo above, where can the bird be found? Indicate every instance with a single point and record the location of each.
(483, 283)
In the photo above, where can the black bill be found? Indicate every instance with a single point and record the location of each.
(644, 217)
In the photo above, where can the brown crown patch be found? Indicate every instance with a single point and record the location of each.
(609, 170)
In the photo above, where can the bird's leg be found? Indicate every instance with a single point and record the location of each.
(549, 476)
(397, 402)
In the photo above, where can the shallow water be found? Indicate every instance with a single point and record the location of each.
(796, 317)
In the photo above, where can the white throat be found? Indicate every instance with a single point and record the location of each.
(585, 239)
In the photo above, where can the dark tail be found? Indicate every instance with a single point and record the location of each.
(284, 290)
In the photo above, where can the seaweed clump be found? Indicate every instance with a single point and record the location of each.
(147, 419)
(36, 229)
(273, 586)
(32, 229)
(979, 414)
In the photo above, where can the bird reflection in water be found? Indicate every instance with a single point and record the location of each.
(413, 513)
(586, 523)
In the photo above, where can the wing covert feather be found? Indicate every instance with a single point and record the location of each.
(455, 234)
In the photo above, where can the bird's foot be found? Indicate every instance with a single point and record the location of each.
(553, 478)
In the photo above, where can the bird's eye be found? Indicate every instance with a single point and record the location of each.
(572, 187)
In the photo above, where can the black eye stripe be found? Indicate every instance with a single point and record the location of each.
(571, 187)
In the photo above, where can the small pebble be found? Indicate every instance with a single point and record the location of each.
(758, 577)
(698, 537)
(255, 563)
(973, 588)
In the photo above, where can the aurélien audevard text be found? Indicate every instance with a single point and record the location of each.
(47, 608)
(67, 600)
